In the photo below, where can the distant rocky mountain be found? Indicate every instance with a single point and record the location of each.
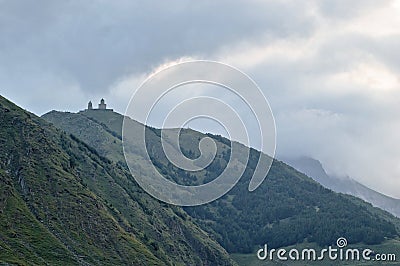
(286, 209)
(314, 169)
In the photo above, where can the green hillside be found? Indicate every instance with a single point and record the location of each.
(61, 203)
(287, 209)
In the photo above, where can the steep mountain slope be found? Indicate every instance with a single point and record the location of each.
(314, 169)
(61, 203)
(288, 208)
(27, 239)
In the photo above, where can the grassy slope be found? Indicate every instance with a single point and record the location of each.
(62, 192)
(285, 198)
(26, 241)
(167, 228)
(39, 174)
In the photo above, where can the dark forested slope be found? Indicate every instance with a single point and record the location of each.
(288, 208)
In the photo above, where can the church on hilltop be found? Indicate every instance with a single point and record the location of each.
(102, 106)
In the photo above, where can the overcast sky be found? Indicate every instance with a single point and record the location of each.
(330, 69)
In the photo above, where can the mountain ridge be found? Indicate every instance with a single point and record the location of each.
(286, 200)
(314, 169)
(63, 203)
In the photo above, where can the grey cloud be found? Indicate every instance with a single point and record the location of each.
(343, 9)
(92, 44)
